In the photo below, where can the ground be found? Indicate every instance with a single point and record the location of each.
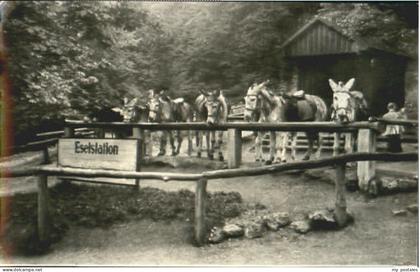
(377, 237)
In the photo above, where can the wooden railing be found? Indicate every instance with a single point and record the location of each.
(367, 135)
(201, 180)
(45, 139)
(365, 157)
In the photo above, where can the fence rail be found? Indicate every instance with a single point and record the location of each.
(214, 174)
(45, 139)
(247, 126)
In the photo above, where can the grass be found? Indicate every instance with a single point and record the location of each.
(102, 206)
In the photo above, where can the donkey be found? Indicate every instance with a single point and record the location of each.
(211, 107)
(257, 110)
(289, 108)
(347, 106)
(132, 112)
(182, 112)
(163, 109)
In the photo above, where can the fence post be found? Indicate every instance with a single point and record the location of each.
(43, 223)
(234, 148)
(68, 132)
(336, 144)
(366, 170)
(46, 155)
(190, 144)
(139, 134)
(340, 199)
(200, 211)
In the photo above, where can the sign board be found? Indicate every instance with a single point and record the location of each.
(113, 154)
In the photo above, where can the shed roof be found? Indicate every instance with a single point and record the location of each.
(320, 37)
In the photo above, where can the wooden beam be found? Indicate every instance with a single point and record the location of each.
(68, 132)
(137, 134)
(215, 174)
(366, 170)
(80, 172)
(340, 198)
(247, 126)
(229, 173)
(43, 223)
(200, 212)
(234, 148)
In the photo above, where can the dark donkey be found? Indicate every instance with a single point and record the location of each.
(290, 108)
(132, 112)
(163, 109)
(211, 107)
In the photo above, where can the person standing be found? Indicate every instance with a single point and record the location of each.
(393, 132)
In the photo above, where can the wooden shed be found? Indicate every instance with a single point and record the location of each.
(320, 50)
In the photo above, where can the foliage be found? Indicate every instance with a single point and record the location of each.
(225, 45)
(379, 25)
(69, 59)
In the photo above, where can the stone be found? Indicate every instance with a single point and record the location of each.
(399, 212)
(389, 184)
(301, 226)
(392, 184)
(216, 235)
(254, 230)
(233, 230)
(276, 220)
(407, 184)
(323, 219)
(414, 208)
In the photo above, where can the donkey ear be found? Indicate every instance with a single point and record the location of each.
(116, 109)
(349, 84)
(151, 93)
(333, 85)
(132, 102)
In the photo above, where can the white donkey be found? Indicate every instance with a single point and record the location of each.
(348, 106)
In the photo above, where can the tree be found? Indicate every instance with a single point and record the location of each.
(68, 59)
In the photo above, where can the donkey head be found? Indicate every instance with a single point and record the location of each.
(129, 110)
(155, 106)
(253, 101)
(342, 99)
(213, 106)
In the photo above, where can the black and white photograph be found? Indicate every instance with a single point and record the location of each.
(209, 134)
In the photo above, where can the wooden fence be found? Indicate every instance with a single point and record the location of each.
(367, 135)
(201, 180)
(365, 157)
(45, 139)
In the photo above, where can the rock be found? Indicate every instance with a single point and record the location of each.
(216, 235)
(301, 226)
(323, 219)
(399, 212)
(233, 230)
(254, 230)
(414, 208)
(389, 184)
(407, 184)
(392, 184)
(276, 220)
